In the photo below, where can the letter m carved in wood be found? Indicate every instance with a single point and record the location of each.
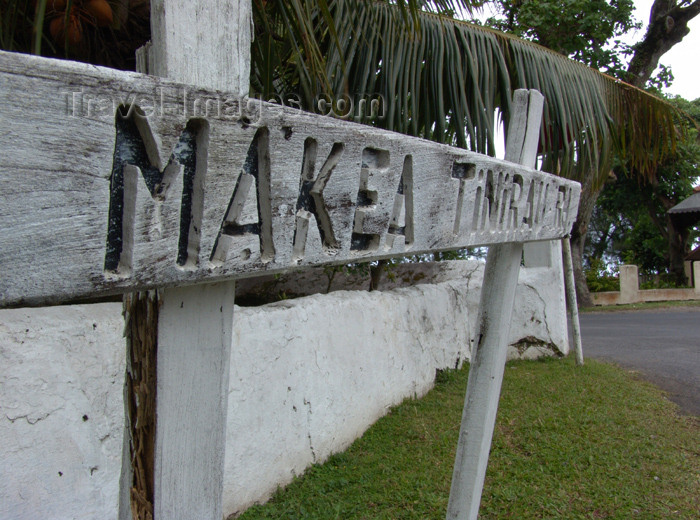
(137, 154)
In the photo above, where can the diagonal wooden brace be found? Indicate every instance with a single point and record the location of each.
(493, 326)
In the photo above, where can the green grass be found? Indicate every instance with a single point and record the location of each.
(641, 306)
(570, 443)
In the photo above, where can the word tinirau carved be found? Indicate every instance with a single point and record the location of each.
(504, 201)
(293, 194)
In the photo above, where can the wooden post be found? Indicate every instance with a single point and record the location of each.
(495, 310)
(194, 345)
(571, 298)
(205, 45)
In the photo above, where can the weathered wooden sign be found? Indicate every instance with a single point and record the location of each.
(114, 181)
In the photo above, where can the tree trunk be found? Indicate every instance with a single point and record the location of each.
(583, 294)
(668, 24)
(677, 249)
(589, 196)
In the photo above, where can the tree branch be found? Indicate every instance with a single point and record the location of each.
(668, 24)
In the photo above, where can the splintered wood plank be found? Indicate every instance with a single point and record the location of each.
(182, 185)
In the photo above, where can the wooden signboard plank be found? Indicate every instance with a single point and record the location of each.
(114, 181)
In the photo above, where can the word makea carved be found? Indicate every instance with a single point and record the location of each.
(153, 199)
(284, 203)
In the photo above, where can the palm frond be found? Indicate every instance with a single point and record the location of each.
(445, 80)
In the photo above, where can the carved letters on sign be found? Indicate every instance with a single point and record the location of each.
(135, 154)
(488, 200)
(115, 181)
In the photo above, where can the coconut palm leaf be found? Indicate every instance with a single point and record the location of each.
(439, 78)
(447, 80)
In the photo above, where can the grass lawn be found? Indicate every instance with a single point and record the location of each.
(570, 443)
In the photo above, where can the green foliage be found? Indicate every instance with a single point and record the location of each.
(643, 243)
(587, 31)
(630, 223)
(345, 51)
(361, 269)
(580, 29)
(599, 279)
(570, 442)
(663, 281)
(457, 254)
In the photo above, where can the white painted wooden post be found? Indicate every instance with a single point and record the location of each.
(571, 298)
(194, 345)
(204, 44)
(495, 311)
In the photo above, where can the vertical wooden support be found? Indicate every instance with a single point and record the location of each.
(205, 44)
(495, 311)
(194, 345)
(572, 303)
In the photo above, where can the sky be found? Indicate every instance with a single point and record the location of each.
(683, 58)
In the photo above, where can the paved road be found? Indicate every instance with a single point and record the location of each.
(664, 345)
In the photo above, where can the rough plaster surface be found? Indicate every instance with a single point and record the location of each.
(62, 412)
(539, 324)
(324, 368)
(308, 376)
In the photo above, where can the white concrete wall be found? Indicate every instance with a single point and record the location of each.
(308, 376)
(326, 367)
(61, 412)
